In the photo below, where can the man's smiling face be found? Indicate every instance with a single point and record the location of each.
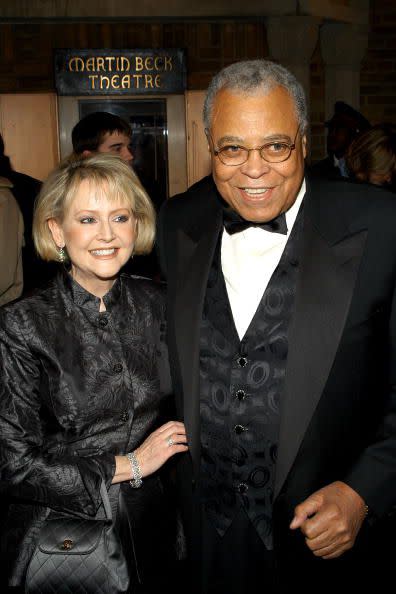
(257, 190)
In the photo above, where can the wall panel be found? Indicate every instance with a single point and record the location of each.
(28, 124)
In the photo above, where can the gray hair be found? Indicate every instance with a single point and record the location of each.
(252, 77)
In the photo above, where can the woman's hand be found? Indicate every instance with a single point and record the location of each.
(160, 445)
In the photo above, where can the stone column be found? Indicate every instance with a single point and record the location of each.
(291, 41)
(343, 48)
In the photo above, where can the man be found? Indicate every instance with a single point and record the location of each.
(102, 132)
(282, 345)
(343, 127)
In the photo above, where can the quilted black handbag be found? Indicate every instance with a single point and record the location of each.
(78, 556)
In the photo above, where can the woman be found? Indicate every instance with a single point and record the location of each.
(372, 156)
(83, 371)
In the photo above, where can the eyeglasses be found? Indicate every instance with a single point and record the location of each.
(272, 152)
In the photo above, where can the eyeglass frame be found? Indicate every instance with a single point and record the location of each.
(217, 152)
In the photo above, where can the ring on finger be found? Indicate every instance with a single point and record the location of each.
(170, 442)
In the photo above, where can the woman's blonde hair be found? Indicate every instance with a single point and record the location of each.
(373, 152)
(104, 171)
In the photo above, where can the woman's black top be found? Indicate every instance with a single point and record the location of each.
(77, 387)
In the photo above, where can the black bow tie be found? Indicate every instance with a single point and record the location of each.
(234, 223)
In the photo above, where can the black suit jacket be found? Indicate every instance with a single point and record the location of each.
(338, 413)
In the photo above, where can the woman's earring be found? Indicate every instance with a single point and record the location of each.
(61, 255)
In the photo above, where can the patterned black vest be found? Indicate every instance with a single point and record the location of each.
(241, 383)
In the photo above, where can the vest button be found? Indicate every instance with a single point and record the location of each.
(242, 488)
(103, 322)
(239, 429)
(242, 361)
(125, 416)
(117, 368)
(240, 394)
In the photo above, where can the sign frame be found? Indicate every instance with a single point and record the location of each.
(120, 71)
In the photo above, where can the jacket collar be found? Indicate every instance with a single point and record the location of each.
(320, 206)
(332, 248)
(81, 297)
(210, 210)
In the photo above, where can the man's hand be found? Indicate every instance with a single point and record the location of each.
(330, 519)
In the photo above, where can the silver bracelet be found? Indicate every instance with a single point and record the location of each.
(136, 480)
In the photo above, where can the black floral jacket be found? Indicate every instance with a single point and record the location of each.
(77, 387)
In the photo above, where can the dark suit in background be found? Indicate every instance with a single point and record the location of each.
(345, 125)
(25, 190)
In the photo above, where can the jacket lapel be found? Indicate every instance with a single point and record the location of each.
(196, 248)
(328, 270)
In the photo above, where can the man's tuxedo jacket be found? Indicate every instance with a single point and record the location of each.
(338, 409)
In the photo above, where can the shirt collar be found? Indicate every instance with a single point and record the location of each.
(292, 213)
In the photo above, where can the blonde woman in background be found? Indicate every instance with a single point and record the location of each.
(372, 156)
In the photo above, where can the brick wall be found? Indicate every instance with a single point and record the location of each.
(317, 107)
(378, 73)
(26, 56)
(26, 51)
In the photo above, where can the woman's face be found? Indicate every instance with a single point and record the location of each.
(99, 235)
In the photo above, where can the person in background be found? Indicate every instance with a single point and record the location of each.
(342, 129)
(84, 378)
(282, 345)
(25, 190)
(11, 242)
(372, 156)
(103, 132)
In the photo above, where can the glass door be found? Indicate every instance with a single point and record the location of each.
(148, 122)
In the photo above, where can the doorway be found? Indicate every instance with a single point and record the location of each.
(148, 122)
(158, 124)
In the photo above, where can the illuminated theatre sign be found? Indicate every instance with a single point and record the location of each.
(117, 72)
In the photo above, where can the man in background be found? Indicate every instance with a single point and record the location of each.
(102, 132)
(343, 127)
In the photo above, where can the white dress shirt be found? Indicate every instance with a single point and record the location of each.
(249, 259)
